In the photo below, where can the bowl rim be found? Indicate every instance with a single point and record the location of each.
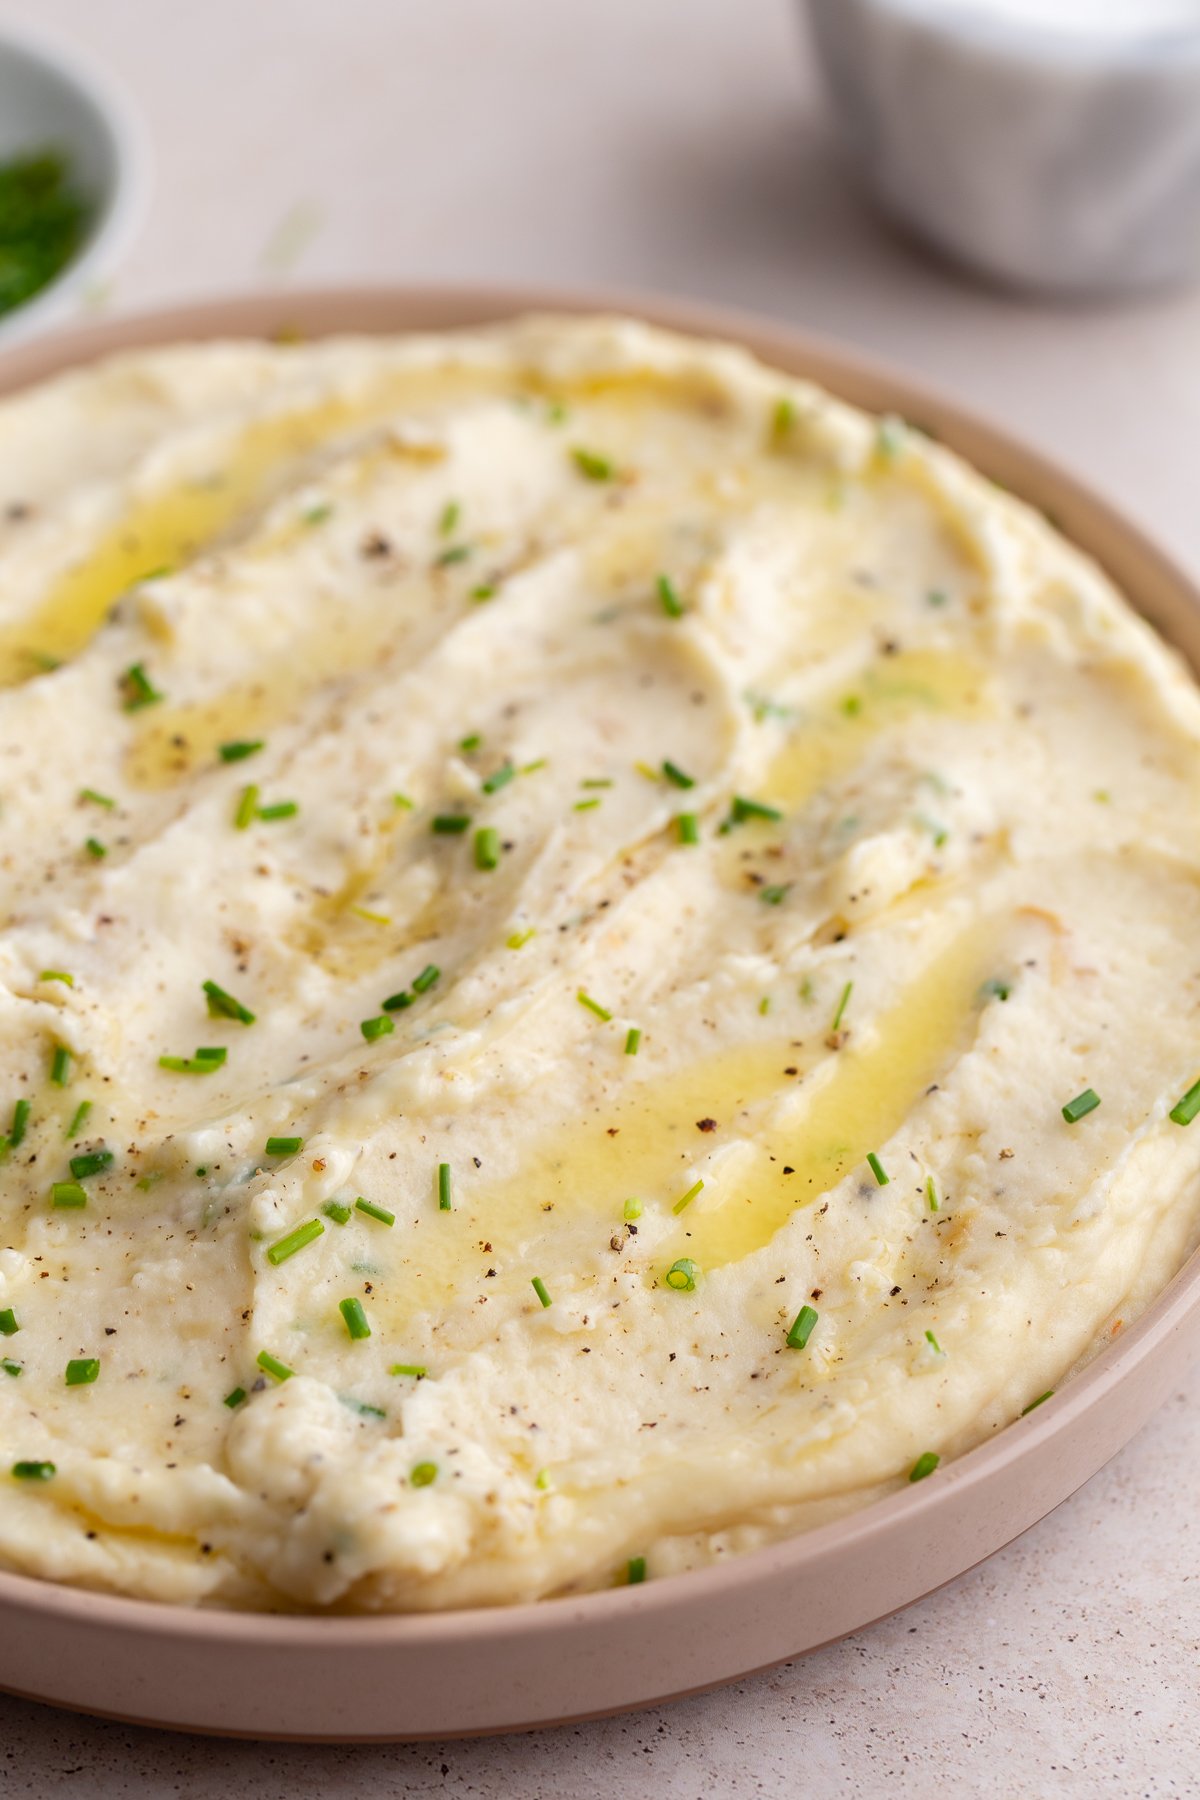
(120, 207)
(1036, 43)
(377, 308)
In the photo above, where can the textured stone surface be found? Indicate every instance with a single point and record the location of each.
(681, 145)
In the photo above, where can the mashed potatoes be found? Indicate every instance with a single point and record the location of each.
(556, 887)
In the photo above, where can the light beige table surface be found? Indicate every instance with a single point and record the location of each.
(682, 145)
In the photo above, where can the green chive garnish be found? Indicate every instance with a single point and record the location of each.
(424, 1474)
(931, 1195)
(742, 809)
(519, 939)
(774, 896)
(596, 468)
(19, 1122)
(487, 847)
(246, 809)
(842, 1004)
(455, 554)
(235, 1399)
(668, 597)
(445, 1197)
(57, 975)
(426, 979)
(450, 516)
(1081, 1106)
(1048, 1395)
(60, 1066)
(372, 1029)
(75, 1128)
(10, 1367)
(92, 1162)
(284, 1146)
(681, 1275)
(239, 749)
(138, 689)
(33, 1471)
(631, 1210)
(375, 1212)
(223, 1006)
(271, 1365)
(589, 805)
(783, 416)
(678, 776)
(104, 800)
(931, 1340)
(498, 778)
(924, 1465)
(687, 825)
(95, 848)
(688, 1197)
(633, 1038)
(483, 592)
(877, 1169)
(67, 1194)
(279, 809)
(337, 1212)
(996, 989)
(450, 824)
(636, 1571)
(539, 1288)
(295, 1240)
(593, 1006)
(802, 1327)
(416, 1370)
(207, 1060)
(82, 1371)
(356, 1319)
(8, 1323)
(1185, 1110)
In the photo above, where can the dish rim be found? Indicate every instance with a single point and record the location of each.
(848, 374)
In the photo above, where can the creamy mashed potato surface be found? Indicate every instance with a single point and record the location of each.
(556, 886)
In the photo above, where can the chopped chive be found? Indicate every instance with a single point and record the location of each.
(687, 825)
(783, 416)
(471, 743)
(774, 896)
(688, 1197)
(316, 515)
(57, 975)
(246, 809)
(445, 1199)
(75, 1128)
(402, 803)
(5, 1146)
(234, 1399)
(633, 1038)
(238, 749)
(589, 805)
(764, 1005)
(450, 515)
(672, 772)
(372, 1029)
(372, 918)
(668, 597)
(593, 1006)
(295, 1240)
(842, 1004)
(223, 1006)
(138, 689)
(931, 1195)
(498, 778)
(95, 848)
(279, 809)
(450, 824)
(877, 1169)
(487, 847)
(631, 1210)
(682, 1275)
(82, 1371)
(424, 1474)
(742, 809)
(10, 1367)
(337, 1212)
(924, 1465)
(539, 1288)
(597, 782)
(375, 1212)
(519, 939)
(426, 979)
(8, 1323)
(996, 989)
(1048, 1395)
(97, 799)
(284, 1146)
(931, 1340)
(1185, 1110)
(852, 706)
(1081, 1106)
(207, 1060)
(397, 1002)
(416, 1370)
(67, 1194)
(355, 1318)
(271, 1365)
(457, 553)
(596, 468)
(635, 1571)
(20, 1121)
(362, 1407)
(33, 1471)
(92, 1162)
(484, 591)
(802, 1327)
(60, 1066)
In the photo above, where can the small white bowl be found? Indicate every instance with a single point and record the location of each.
(52, 97)
(1042, 146)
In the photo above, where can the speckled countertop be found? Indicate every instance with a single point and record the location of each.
(681, 145)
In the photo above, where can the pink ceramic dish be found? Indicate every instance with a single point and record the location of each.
(266, 1675)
